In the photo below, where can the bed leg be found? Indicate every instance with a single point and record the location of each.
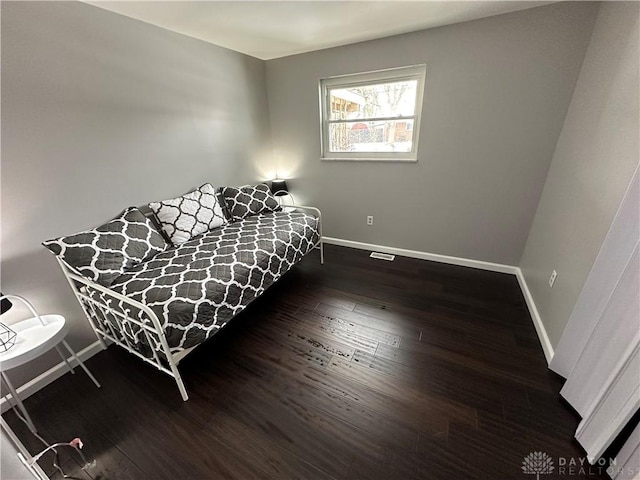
(101, 340)
(178, 378)
(183, 390)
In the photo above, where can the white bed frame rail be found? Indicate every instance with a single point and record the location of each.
(103, 316)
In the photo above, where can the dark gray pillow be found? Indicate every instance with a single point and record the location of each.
(106, 252)
(249, 200)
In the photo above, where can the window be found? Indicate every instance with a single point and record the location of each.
(372, 116)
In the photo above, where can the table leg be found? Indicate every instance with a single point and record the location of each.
(64, 359)
(21, 406)
(75, 357)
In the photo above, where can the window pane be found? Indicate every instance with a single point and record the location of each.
(380, 136)
(383, 100)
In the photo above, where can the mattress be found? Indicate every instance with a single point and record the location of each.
(197, 287)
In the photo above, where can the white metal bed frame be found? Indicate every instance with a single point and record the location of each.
(100, 314)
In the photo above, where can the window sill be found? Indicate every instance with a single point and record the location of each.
(363, 159)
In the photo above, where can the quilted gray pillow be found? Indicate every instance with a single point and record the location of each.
(190, 215)
(249, 200)
(106, 252)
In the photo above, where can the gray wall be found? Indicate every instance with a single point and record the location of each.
(100, 112)
(497, 92)
(593, 163)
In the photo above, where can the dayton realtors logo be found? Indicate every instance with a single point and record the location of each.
(537, 463)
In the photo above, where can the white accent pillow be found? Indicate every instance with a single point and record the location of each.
(190, 215)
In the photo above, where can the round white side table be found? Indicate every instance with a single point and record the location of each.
(36, 336)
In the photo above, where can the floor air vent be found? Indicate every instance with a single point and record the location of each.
(382, 256)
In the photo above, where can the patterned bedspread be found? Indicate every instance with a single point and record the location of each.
(197, 287)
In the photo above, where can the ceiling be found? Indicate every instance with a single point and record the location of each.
(270, 29)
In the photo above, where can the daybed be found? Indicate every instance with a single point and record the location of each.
(159, 285)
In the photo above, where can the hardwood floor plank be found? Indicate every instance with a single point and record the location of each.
(439, 460)
(430, 406)
(303, 430)
(403, 330)
(275, 462)
(388, 431)
(397, 410)
(306, 329)
(433, 353)
(343, 328)
(475, 448)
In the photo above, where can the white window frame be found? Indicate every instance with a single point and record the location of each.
(414, 72)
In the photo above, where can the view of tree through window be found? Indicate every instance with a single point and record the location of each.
(376, 115)
(376, 118)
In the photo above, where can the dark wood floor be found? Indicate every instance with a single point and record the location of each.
(358, 369)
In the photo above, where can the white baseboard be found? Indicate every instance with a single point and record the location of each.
(547, 348)
(50, 375)
(464, 262)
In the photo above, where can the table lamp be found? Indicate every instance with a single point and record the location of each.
(279, 187)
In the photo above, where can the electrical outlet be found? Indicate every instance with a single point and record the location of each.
(552, 278)
(369, 219)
